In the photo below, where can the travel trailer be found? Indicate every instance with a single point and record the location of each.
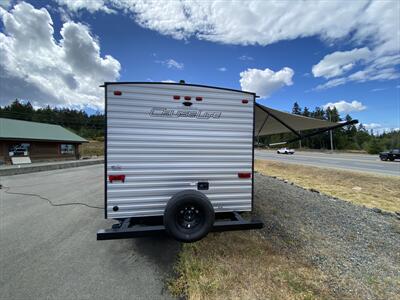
(179, 158)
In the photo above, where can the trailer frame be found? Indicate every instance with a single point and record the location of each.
(150, 226)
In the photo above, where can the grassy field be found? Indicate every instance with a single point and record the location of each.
(93, 148)
(244, 265)
(359, 188)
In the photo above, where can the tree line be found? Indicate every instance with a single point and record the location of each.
(78, 121)
(351, 137)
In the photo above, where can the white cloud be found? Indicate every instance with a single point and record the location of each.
(369, 25)
(245, 57)
(168, 81)
(262, 22)
(222, 69)
(171, 64)
(346, 107)
(36, 67)
(90, 5)
(370, 73)
(379, 128)
(265, 82)
(331, 83)
(380, 32)
(372, 126)
(5, 3)
(373, 74)
(339, 62)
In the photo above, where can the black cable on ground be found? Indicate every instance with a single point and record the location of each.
(7, 188)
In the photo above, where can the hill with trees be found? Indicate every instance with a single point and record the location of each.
(78, 121)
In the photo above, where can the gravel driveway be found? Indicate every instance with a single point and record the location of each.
(358, 248)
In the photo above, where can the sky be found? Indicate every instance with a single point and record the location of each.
(318, 53)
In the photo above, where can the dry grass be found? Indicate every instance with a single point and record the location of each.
(242, 265)
(364, 189)
(93, 148)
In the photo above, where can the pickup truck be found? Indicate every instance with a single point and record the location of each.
(390, 155)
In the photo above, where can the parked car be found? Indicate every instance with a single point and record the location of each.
(285, 151)
(390, 155)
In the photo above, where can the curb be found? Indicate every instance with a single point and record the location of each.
(56, 166)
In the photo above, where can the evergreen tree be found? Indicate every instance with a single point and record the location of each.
(318, 113)
(306, 112)
(296, 109)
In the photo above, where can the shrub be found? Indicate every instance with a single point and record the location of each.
(374, 147)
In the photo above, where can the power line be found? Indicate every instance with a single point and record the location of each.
(7, 188)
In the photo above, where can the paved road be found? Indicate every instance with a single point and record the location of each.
(344, 161)
(52, 253)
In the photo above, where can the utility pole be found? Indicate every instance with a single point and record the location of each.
(330, 132)
(299, 141)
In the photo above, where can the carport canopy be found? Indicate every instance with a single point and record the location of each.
(270, 121)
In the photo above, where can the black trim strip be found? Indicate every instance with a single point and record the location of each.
(105, 151)
(252, 162)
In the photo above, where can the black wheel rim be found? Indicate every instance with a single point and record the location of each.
(189, 217)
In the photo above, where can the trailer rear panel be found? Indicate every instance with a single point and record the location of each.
(156, 146)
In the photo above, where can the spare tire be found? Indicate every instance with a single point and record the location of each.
(189, 216)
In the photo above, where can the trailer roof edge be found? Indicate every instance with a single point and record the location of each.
(180, 84)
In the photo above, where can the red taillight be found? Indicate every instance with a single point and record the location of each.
(177, 97)
(117, 93)
(188, 97)
(112, 178)
(244, 175)
(199, 98)
(245, 101)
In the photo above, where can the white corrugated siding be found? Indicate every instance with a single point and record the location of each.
(161, 156)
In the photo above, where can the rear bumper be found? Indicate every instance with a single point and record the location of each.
(130, 229)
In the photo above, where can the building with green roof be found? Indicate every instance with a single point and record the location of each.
(39, 141)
